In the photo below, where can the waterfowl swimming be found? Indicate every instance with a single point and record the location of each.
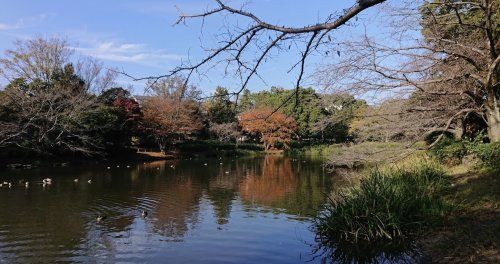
(47, 181)
(144, 213)
(100, 218)
(205, 164)
(128, 166)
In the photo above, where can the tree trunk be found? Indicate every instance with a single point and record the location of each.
(459, 129)
(493, 118)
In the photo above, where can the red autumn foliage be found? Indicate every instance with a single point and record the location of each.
(274, 129)
(130, 107)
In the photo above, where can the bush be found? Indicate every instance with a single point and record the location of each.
(452, 151)
(449, 150)
(387, 205)
(488, 153)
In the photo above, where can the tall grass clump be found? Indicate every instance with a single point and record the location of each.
(388, 204)
(487, 153)
(449, 151)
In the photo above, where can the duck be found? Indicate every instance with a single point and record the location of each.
(144, 213)
(128, 166)
(205, 164)
(47, 181)
(100, 218)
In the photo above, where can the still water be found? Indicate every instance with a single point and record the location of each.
(241, 210)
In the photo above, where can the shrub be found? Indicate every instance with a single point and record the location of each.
(387, 205)
(449, 150)
(488, 153)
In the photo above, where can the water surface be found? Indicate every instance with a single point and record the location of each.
(241, 210)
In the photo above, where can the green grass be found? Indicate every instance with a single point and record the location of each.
(320, 150)
(214, 147)
(452, 151)
(471, 232)
(368, 153)
(388, 204)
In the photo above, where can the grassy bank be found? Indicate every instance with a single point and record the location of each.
(389, 203)
(442, 205)
(217, 148)
(315, 150)
(471, 233)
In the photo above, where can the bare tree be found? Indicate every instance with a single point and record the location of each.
(46, 101)
(37, 118)
(174, 87)
(244, 49)
(95, 76)
(225, 131)
(33, 59)
(39, 59)
(450, 72)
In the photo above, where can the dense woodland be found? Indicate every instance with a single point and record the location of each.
(56, 105)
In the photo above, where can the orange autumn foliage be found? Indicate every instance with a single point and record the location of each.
(274, 129)
(170, 120)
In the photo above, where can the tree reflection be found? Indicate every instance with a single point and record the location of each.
(285, 183)
(222, 190)
(177, 207)
(272, 182)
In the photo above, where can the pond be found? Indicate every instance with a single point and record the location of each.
(230, 210)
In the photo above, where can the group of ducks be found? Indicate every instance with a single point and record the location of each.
(101, 218)
(48, 181)
(118, 166)
(6, 184)
(10, 185)
(45, 182)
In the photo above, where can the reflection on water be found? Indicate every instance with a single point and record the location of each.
(246, 210)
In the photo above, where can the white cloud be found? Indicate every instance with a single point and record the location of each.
(25, 22)
(4, 26)
(128, 52)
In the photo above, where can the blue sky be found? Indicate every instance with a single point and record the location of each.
(139, 38)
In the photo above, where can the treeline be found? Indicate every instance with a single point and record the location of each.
(56, 104)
